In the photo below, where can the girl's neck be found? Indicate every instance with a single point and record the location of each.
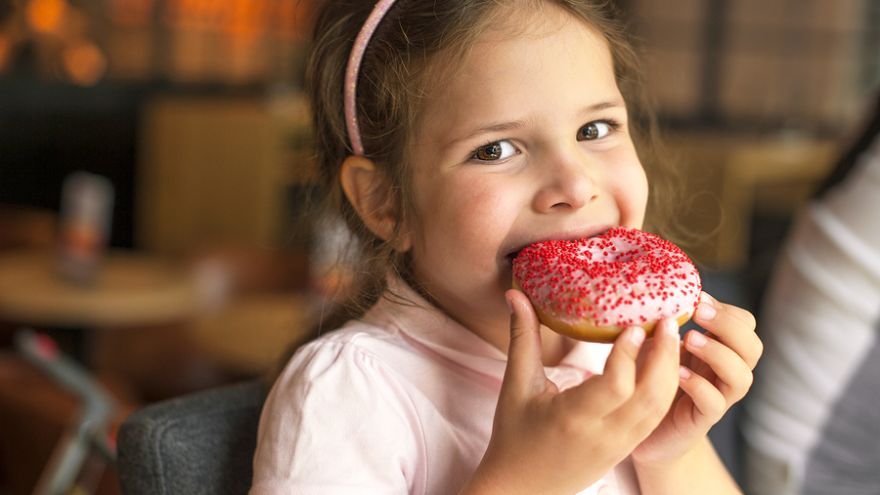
(554, 347)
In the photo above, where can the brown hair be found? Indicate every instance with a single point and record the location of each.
(404, 55)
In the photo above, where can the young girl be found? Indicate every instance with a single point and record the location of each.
(473, 128)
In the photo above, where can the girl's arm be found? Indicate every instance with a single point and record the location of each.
(716, 373)
(700, 470)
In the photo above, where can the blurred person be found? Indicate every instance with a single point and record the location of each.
(811, 424)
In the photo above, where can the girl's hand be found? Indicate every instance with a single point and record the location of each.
(547, 441)
(716, 372)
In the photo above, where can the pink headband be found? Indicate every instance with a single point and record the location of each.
(353, 69)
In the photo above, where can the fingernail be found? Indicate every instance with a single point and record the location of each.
(509, 304)
(637, 336)
(684, 373)
(696, 340)
(706, 298)
(706, 312)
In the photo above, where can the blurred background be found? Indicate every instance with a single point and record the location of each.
(180, 260)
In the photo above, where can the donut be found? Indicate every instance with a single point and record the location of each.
(593, 288)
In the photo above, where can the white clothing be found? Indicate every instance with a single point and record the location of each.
(401, 401)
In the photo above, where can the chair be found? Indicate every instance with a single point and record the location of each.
(201, 443)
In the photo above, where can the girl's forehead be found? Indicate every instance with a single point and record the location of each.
(562, 61)
(505, 39)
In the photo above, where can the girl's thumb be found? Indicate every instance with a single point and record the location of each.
(524, 375)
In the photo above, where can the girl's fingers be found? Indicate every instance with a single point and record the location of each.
(734, 376)
(657, 380)
(733, 326)
(603, 394)
(708, 400)
(524, 376)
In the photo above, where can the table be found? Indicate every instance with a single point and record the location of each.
(132, 289)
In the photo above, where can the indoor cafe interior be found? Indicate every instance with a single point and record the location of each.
(156, 165)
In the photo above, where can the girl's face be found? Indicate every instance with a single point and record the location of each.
(527, 142)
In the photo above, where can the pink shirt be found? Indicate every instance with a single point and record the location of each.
(401, 401)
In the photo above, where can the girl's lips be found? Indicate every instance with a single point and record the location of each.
(562, 236)
(510, 257)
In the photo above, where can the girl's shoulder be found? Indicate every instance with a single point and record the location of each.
(358, 337)
(356, 348)
(341, 399)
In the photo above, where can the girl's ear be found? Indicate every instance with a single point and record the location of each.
(369, 192)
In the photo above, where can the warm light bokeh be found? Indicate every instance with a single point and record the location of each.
(238, 18)
(46, 16)
(5, 50)
(84, 63)
(131, 13)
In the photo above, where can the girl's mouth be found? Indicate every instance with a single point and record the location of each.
(511, 256)
(592, 233)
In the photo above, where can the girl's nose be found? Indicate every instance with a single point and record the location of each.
(565, 185)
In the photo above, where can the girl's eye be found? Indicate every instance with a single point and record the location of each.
(499, 150)
(596, 130)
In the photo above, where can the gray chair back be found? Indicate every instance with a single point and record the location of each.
(196, 444)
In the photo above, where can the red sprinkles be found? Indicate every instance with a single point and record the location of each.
(620, 278)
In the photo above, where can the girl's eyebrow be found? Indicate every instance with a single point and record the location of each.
(494, 127)
(603, 106)
(519, 124)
